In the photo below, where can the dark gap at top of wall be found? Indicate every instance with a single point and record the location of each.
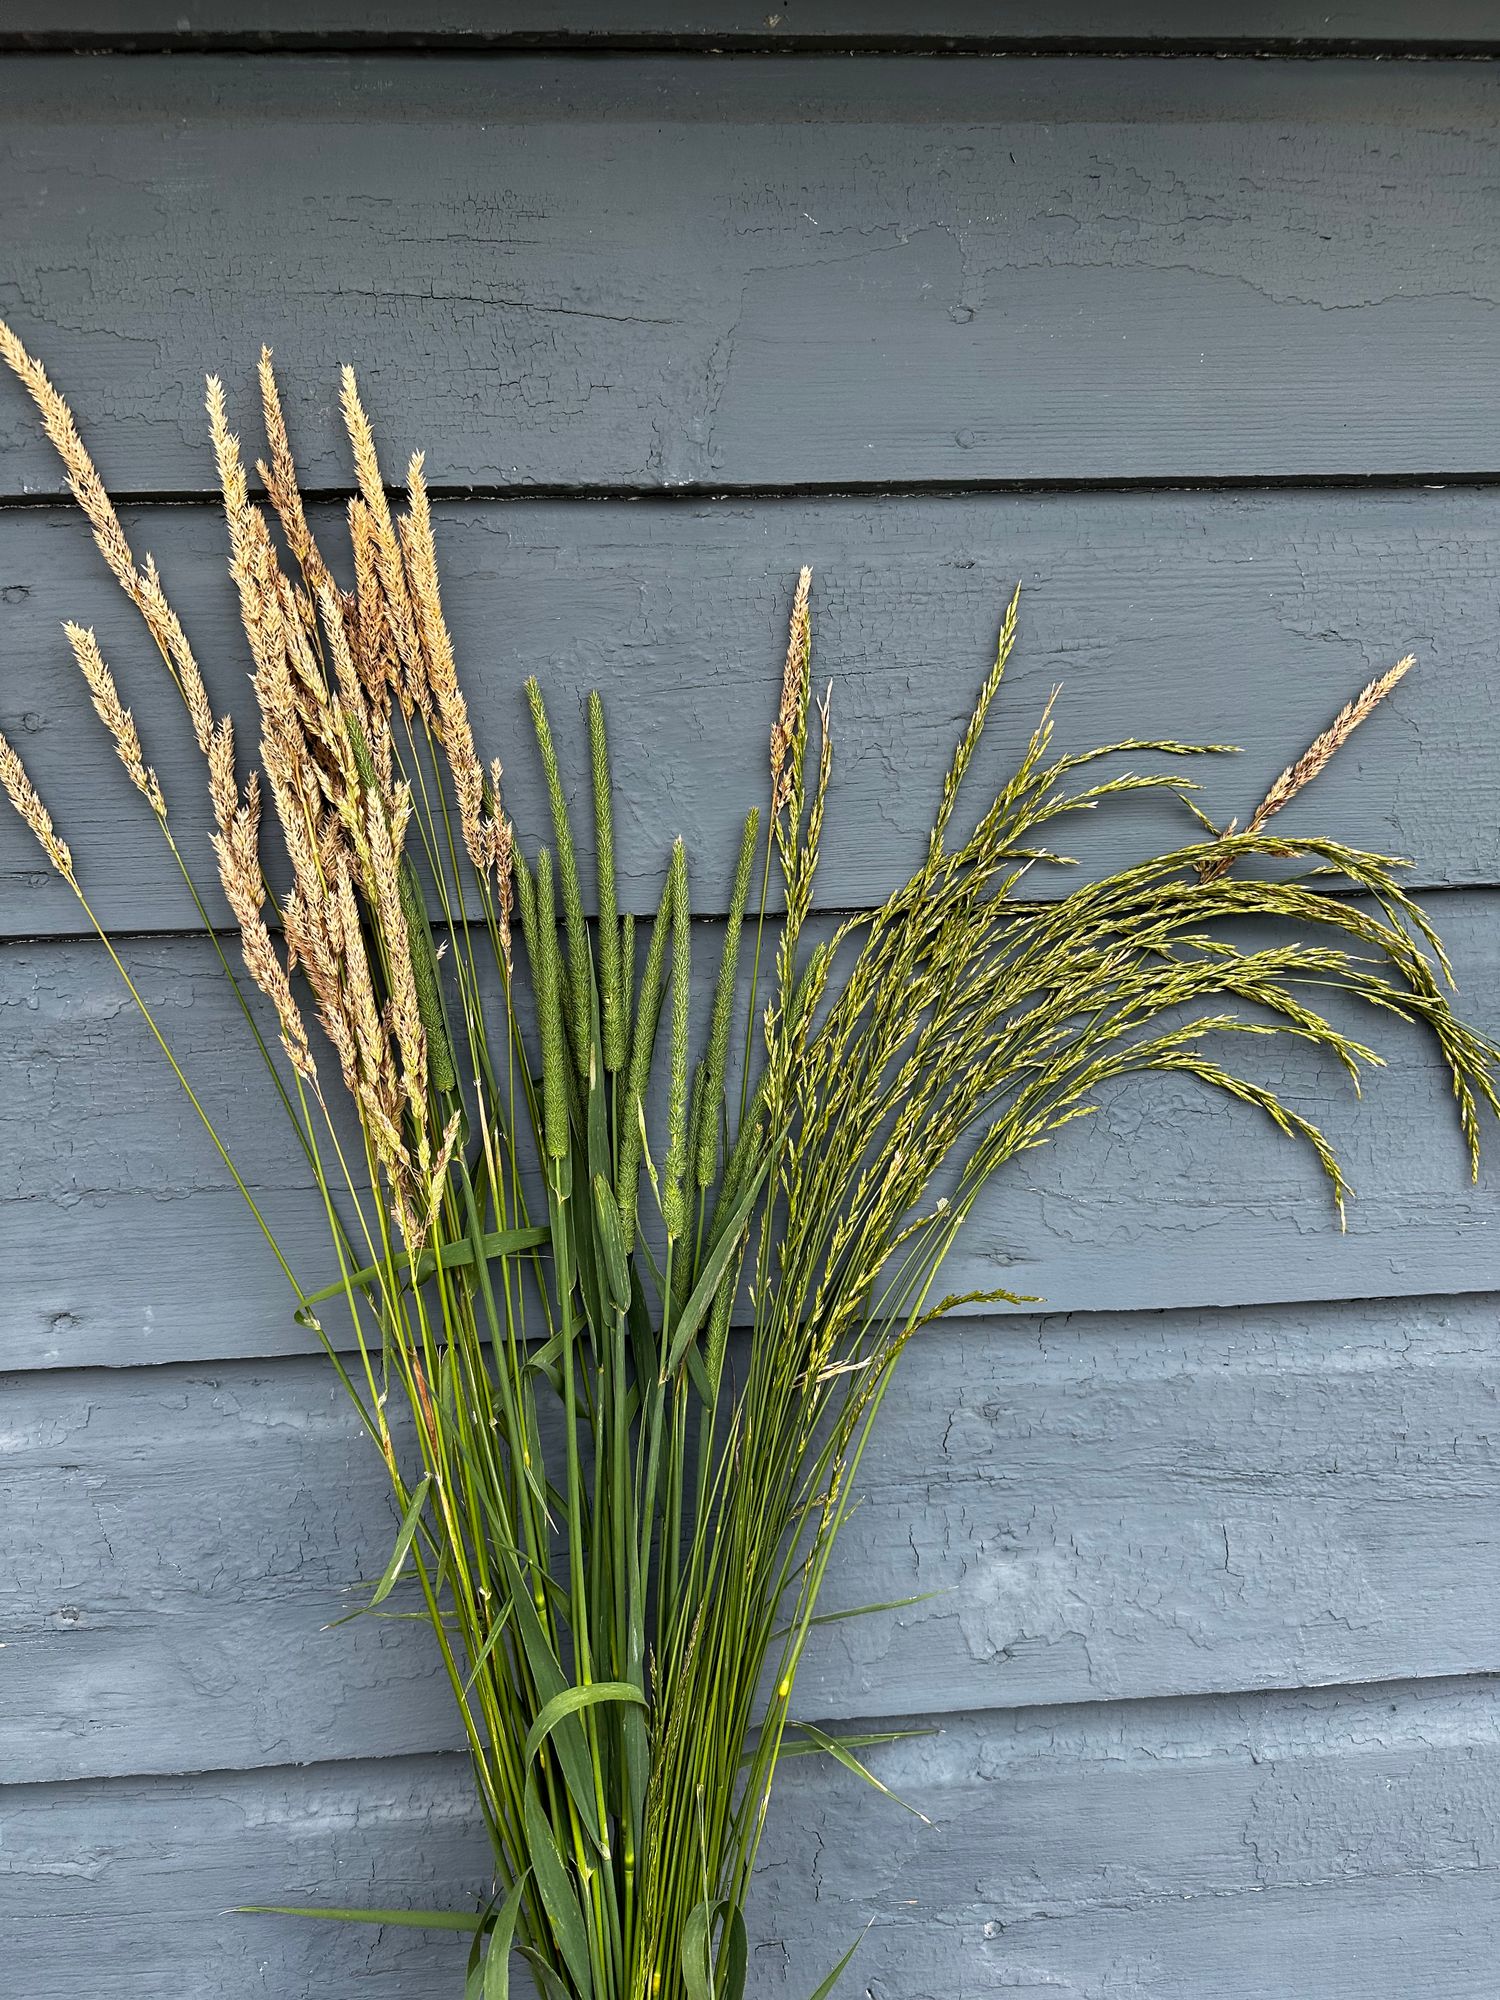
(146, 937)
(700, 493)
(726, 47)
(498, 41)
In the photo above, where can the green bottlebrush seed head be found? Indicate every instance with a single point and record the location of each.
(525, 901)
(627, 978)
(707, 1129)
(698, 1111)
(718, 1322)
(547, 970)
(363, 762)
(642, 1045)
(674, 1209)
(611, 1000)
(614, 1255)
(579, 1011)
(440, 1070)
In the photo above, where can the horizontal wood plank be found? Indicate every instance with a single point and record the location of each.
(1235, 618)
(563, 274)
(125, 1242)
(1330, 1843)
(1107, 1506)
(1166, 26)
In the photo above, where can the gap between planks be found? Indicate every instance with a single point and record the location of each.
(1037, 1716)
(704, 492)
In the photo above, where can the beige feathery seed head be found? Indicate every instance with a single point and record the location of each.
(280, 481)
(115, 716)
(295, 790)
(1318, 754)
(227, 460)
(237, 847)
(346, 676)
(172, 642)
(142, 585)
(451, 712)
(252, 555)
(793, 692)
(1320, 751)
(223, 790)
(374, 651)
(406, 1013)
(399, 616)
(83, 477)
(361, 441)
(310, 930)
(324, 733)
(253, 562)
(440, 1167)
(24, 797)
(355, 987)
(370, 718)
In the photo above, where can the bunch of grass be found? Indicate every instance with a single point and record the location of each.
(615, 1518)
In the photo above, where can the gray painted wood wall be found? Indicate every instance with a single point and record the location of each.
(1205, 352)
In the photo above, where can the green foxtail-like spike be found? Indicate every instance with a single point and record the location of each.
(642, 1044)
(612, 1007)
(707, 1133)
(578, 1012)
(673, 1207)
(546, 967)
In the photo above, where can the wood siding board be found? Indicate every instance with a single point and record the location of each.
(1109, 1506)
(1337, 1843)
(124, 1241)
(562, 274)
(1247, 618)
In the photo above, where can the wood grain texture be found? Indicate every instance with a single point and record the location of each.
(1246, 618)
(897, 270)
(1330, 1844)
(124, 1241)
(1152, 25)
(1108, 1506)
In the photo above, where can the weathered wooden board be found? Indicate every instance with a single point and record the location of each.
(1246, 618)
(1330, 1844)
(1234, 1849)
(1107, 1506)
(888, 270)
(1148, 25)
(124, 1241)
